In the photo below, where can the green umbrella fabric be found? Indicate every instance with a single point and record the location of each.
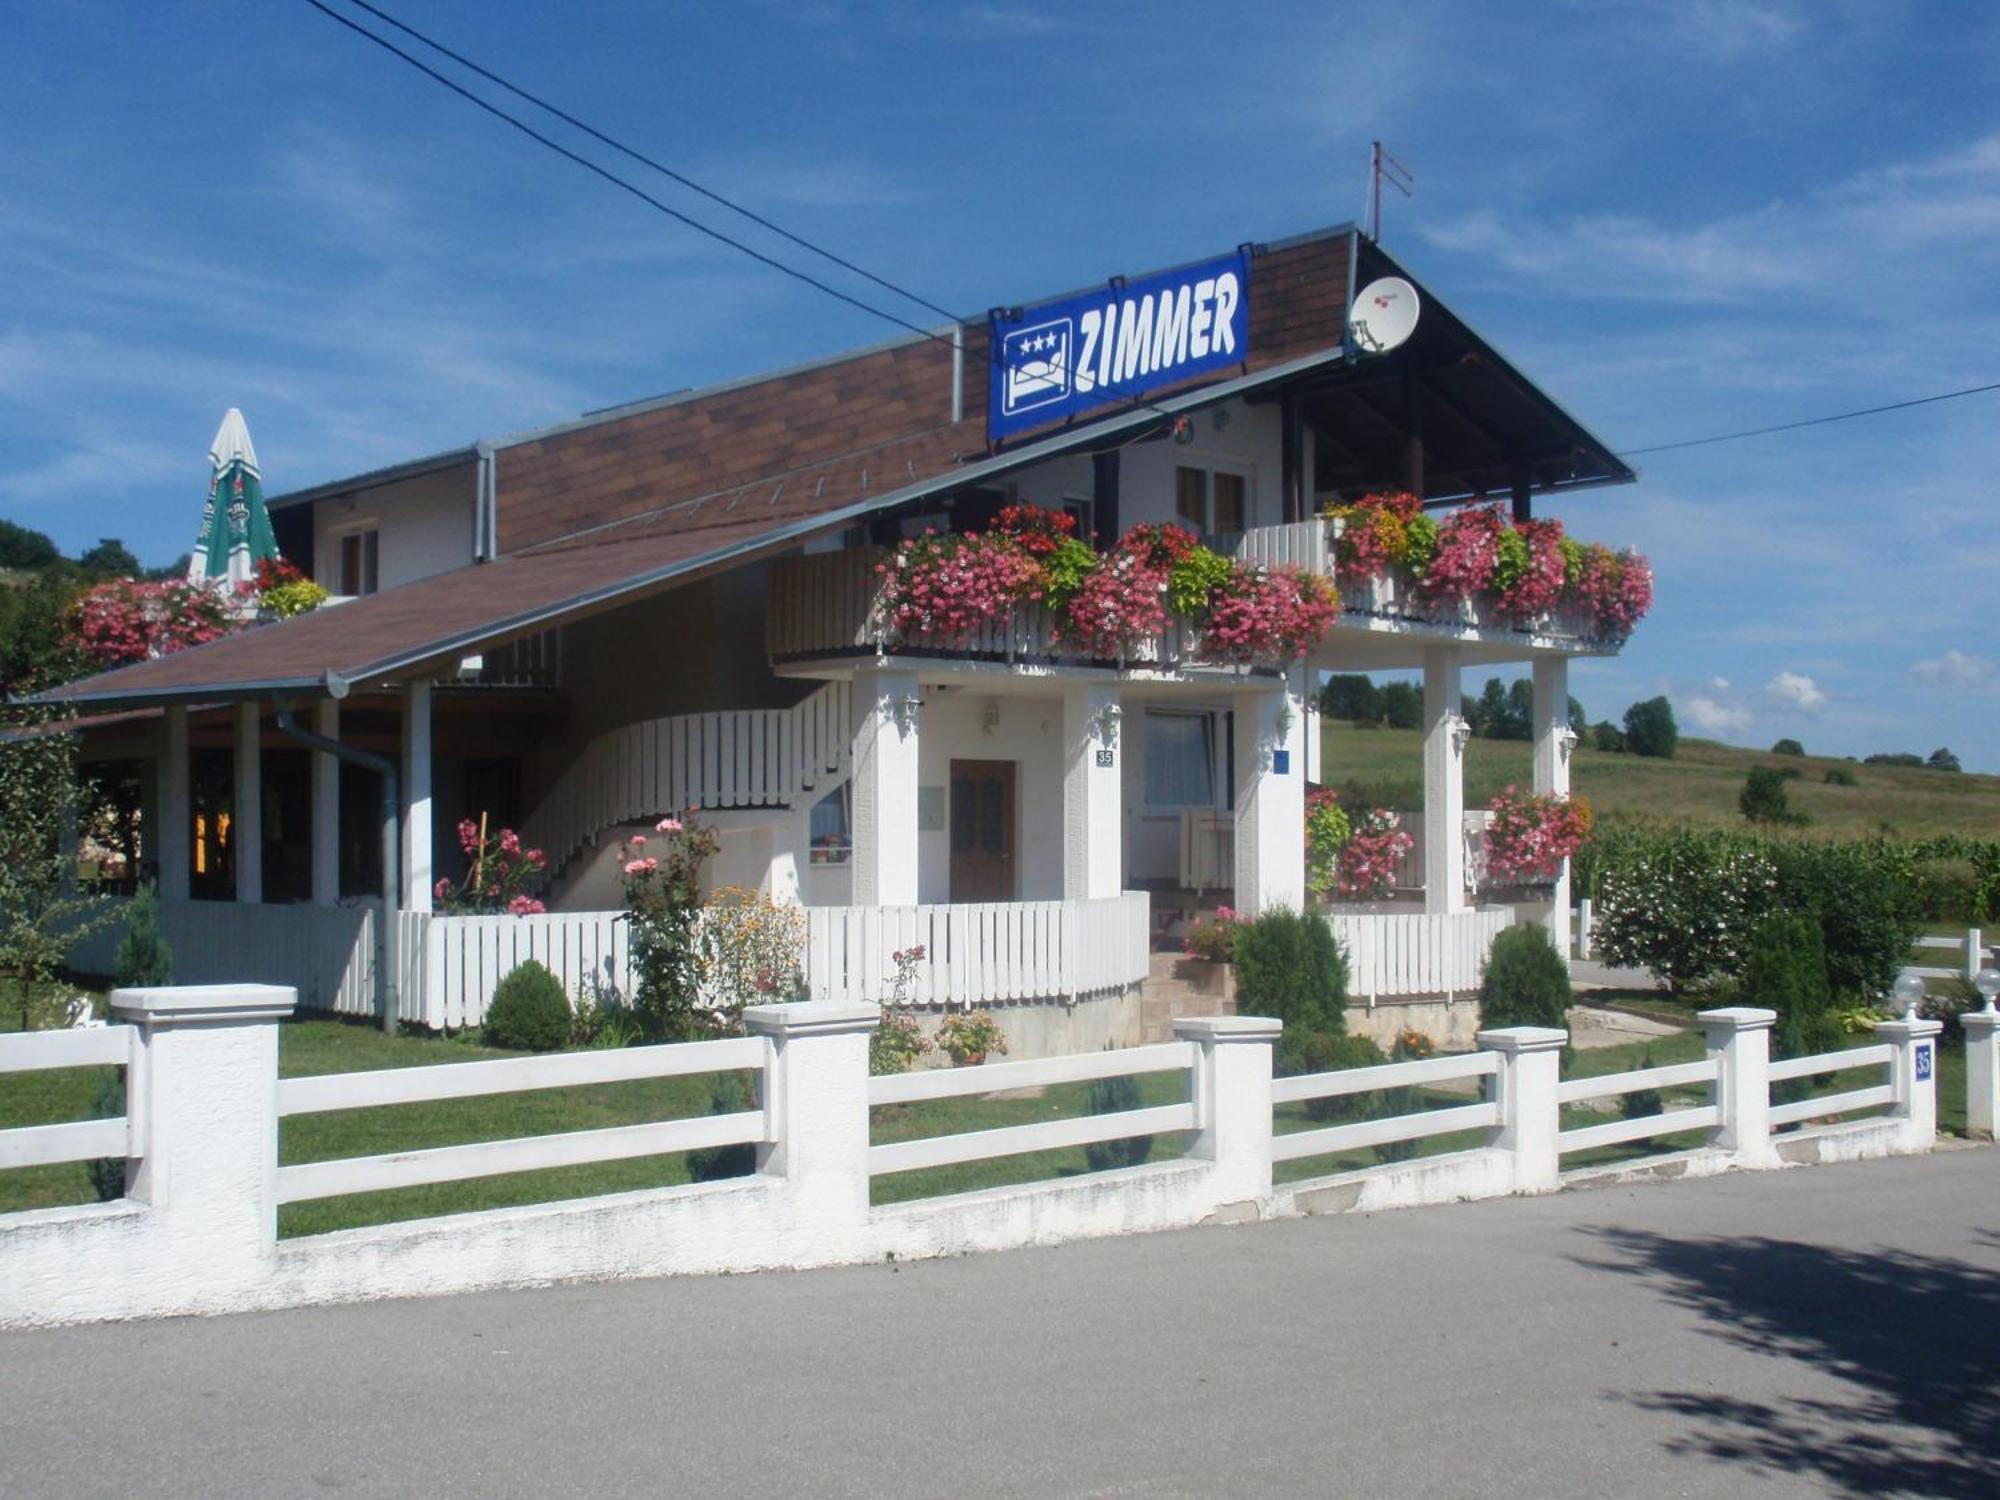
(236, 530)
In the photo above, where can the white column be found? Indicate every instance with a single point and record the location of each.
(1553, 742)
(1530, 1118)
(1444, 784)
(1982, 1072)
(246, 828)
(1739, 1040)
(886, 711)
(816, 1110)
(1232, 1100)
(326, 809)
(176, 814)
(1271, 796)
(1914, 1070)
(1092, 792)
(1315, 746)
(417, 860)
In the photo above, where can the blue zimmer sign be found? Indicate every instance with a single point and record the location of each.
(1078, 355)
(1923, 1062)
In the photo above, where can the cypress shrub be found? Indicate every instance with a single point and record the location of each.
(1289, 967)
(1787, 972)
(730, 1094)
(530, 1012)
(143, 957)
(1526, 982)
(1110, 1096)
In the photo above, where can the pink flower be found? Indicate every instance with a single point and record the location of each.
(442, 890)
(635, 867)
(638, 841)
(525, 906)
(666, 825)
(510, 841)
(536, 858)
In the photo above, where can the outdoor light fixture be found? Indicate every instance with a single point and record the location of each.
(1565, 741)
(1988, 985)
(1909, 991)
(1106, 722)
(989, 716)
(1461, 732)
(1285, 719)
(905, 710)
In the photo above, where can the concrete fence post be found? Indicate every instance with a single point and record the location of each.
(1982, 1072)
(1585, 915)
(1530, 1119)
(1914, 1071)
(816, 1101)
(1232, 1101)
(205, 1084)
(1739, 1041)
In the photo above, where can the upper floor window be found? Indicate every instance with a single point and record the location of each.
(1210, 500)
(360, 562)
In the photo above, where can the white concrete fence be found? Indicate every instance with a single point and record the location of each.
(197, 1231)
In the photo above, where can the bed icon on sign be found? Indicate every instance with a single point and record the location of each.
(1036, 365)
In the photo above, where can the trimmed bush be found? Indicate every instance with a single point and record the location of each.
(730, 1094)
(143, 957)
(1787, 972)
(1763, 798)
(529, 1012)
(1289, 966)
(1110, 1096)
(1526, 983)
(1331, 1052)
(1867, 901)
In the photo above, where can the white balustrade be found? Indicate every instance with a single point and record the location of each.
(1417, 953)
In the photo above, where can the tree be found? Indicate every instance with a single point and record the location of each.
(143, 958)
(1403, 705)
(1351, 696)
(1895, 758)
(36, 651)
(1579, 721)
(41, 913)
(1943, 760)
(1526, 981)
(1650, 729)
(1605, 735)
(25, 549)
(110, 558)
(1788, 747)
(1763, 799)
(1519, 723)
(1487, 714)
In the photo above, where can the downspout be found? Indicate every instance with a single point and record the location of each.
(392, 840)
(483, 527)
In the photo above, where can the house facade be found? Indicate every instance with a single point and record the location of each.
(681, 603)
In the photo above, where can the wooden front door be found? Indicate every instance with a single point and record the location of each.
(982, 830)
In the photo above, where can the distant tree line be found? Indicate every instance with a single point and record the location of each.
(1502, 711)
(37, 586)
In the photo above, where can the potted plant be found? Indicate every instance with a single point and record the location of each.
(969, 1038)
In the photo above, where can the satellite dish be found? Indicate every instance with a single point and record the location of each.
(1384, 315)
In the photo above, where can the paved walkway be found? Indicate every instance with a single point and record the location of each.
(1822, 1330)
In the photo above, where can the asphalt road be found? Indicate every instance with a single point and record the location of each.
(1821, 1330)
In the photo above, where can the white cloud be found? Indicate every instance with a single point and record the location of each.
(1799, 690)
(1956, 669)
(1720, 684)
(1711, 717)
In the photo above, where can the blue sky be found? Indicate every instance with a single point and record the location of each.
(1680, 218)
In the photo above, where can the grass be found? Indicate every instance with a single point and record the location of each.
(1698, 787)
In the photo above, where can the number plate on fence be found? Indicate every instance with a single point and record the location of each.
(1923, 1062)
(1104, 757)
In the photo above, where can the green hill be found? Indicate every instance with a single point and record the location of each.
(1698, 786)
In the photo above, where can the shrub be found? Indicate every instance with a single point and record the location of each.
(1331, 1052)
(1526, 982)
(1763, 799)
(143, 957)
(1212, 938)
(730, 1094)
(1786, 971)
(968, 1039)
(1327, 833)
(1289, 967)
(1679, 902)
(1788, 747)
(1403, 705)
(1838, 776)
(1943, 760)
(1605, 735)
(529, 1012)
(107, 1102)
(1865, 897)
(896, 1044)
(1110, 1096)
(1641, 1102)
(1650, 729)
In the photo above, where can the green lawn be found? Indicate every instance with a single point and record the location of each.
(1699, 786)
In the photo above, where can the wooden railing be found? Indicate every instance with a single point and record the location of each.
(764, 757)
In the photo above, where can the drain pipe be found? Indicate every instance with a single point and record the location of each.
(392, 854)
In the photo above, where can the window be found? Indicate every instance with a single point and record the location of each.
(1211, 500)
(360, 562)
(1180, 760)
(831, 835)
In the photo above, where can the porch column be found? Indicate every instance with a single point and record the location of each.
(176, 816)
(326, 809)
(1444, 783)
(1093, 820)
(1553, 742)
(246, 826)
(886, 710)
(1271, 796)
(417, 860)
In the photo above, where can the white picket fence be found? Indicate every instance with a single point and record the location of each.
(1417, 953)
(981, 953)
(765, 757)
(463, 958)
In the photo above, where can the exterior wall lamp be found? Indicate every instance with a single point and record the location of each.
(1461, 732)
(1565, 742)
(1106, 723)
(905, 710)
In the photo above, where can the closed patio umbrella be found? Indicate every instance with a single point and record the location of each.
(235, 528)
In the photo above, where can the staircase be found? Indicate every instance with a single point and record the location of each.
(760, 757)
(1177, 987)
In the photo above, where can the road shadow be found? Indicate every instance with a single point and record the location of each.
(1916, 1337)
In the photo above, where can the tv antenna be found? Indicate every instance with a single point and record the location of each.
(1384, 167)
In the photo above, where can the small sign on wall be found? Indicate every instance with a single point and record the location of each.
(1281, 762)
(930, 809)
(1923, 1062)
(1106, 759)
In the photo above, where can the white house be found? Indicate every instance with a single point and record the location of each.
(673, 603)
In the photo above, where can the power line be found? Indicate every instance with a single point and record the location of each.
(1845, 416)
(644, 160)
